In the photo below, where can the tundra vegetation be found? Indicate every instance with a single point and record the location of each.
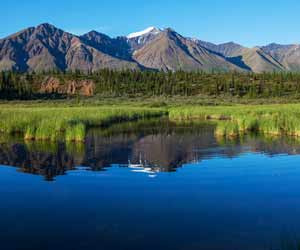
(233, 121)
(221, 98)
(65, 123)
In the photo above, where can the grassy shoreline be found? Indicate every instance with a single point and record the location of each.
(70, 121)
(66, 123)
(232, 121)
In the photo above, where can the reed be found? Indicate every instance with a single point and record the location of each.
(66, 123)
(227, 129)
(268, 119)
(76, 133)
(71, 123)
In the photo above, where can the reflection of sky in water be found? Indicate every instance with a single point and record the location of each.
(151, 191)
(247, 202)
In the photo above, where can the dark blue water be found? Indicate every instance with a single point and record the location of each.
(196, 193)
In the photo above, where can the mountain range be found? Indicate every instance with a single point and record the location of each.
(47, 47)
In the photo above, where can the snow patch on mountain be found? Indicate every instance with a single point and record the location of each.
(152, 30)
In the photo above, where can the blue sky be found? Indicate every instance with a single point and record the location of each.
(247, 22)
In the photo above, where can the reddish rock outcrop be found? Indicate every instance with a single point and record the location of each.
(84, 87)
(53, 85)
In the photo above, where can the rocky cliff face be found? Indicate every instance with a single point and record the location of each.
(53, 85)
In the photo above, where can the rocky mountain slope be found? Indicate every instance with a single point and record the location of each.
(287, 55)
(171, 51)
(137, 40)
(46, 47)
(251, 59)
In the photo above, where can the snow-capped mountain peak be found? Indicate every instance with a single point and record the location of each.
(152, 30)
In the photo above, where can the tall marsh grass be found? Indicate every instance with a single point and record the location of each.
(66, 123)
(237, 120)
(71, 123)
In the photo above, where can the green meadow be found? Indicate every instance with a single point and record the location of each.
(70, 123)
(233, 121)
(65, 123)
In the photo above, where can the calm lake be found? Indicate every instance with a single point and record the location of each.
(150, 185)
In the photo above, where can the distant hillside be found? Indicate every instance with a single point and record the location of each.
(46, 47)
(171, 51)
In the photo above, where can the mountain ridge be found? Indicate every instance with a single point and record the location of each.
(46, 47)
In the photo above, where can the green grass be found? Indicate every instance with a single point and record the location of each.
(236, 120)
(70, 123)
(65, 123)
(76, 132)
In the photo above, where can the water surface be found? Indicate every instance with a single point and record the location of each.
(150, 186)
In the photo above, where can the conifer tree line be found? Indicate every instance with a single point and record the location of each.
(14, 85)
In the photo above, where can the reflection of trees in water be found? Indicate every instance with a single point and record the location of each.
(162, 148)
(269, 145)
(37, 162)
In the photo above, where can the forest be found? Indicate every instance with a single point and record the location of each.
(14, 85)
